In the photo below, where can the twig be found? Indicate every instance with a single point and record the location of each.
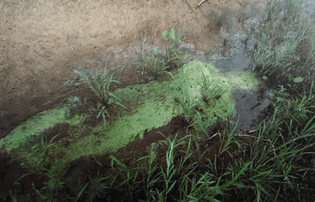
(201, 2)
(257, 104)
(210, 137)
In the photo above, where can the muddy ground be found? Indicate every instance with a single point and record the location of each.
(43, 42)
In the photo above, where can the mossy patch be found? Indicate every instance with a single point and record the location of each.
(149, 106)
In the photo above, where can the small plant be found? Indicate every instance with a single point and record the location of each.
(184, 103)
(128, 176)
(210, 89)
(169, 172)
(172, 50)
(149, 171)
(226, 141)
(102, 111)
(96, 186)
(43, 197)
(52, 189)
(99, 84)
(56, 177)
(206, 84)
(78, 190)
(41, 157)
(201, 124)
(152, 64)
(298, 108)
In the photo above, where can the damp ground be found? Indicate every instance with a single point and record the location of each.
(40, 53)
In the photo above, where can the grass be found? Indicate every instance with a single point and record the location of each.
(272, 159)
(99, 84)
(297, 58)
(153, 64)
(97, 186)
(273, 163)
(185, 103)
(150, 64)
(172, 51)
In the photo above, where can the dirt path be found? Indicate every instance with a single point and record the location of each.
(42, 42)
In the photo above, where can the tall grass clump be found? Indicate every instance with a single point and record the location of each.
(174, 170)
(42, 156)
(276, 53)
(99, 83)
(152, 64)
(184, 103)
(53, 188)
(173, 52)
(210, 89)
(282, 144)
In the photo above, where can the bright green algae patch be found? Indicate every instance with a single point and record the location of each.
(37, 124)
(149, 106)
(152, 105)
(119, 133)
(244, 80)
(33, 126)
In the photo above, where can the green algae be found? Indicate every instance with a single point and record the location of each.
(149, 106)
(77, 119)
(152, 105)
(33, 126)
(244, 80)
(37, 124)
